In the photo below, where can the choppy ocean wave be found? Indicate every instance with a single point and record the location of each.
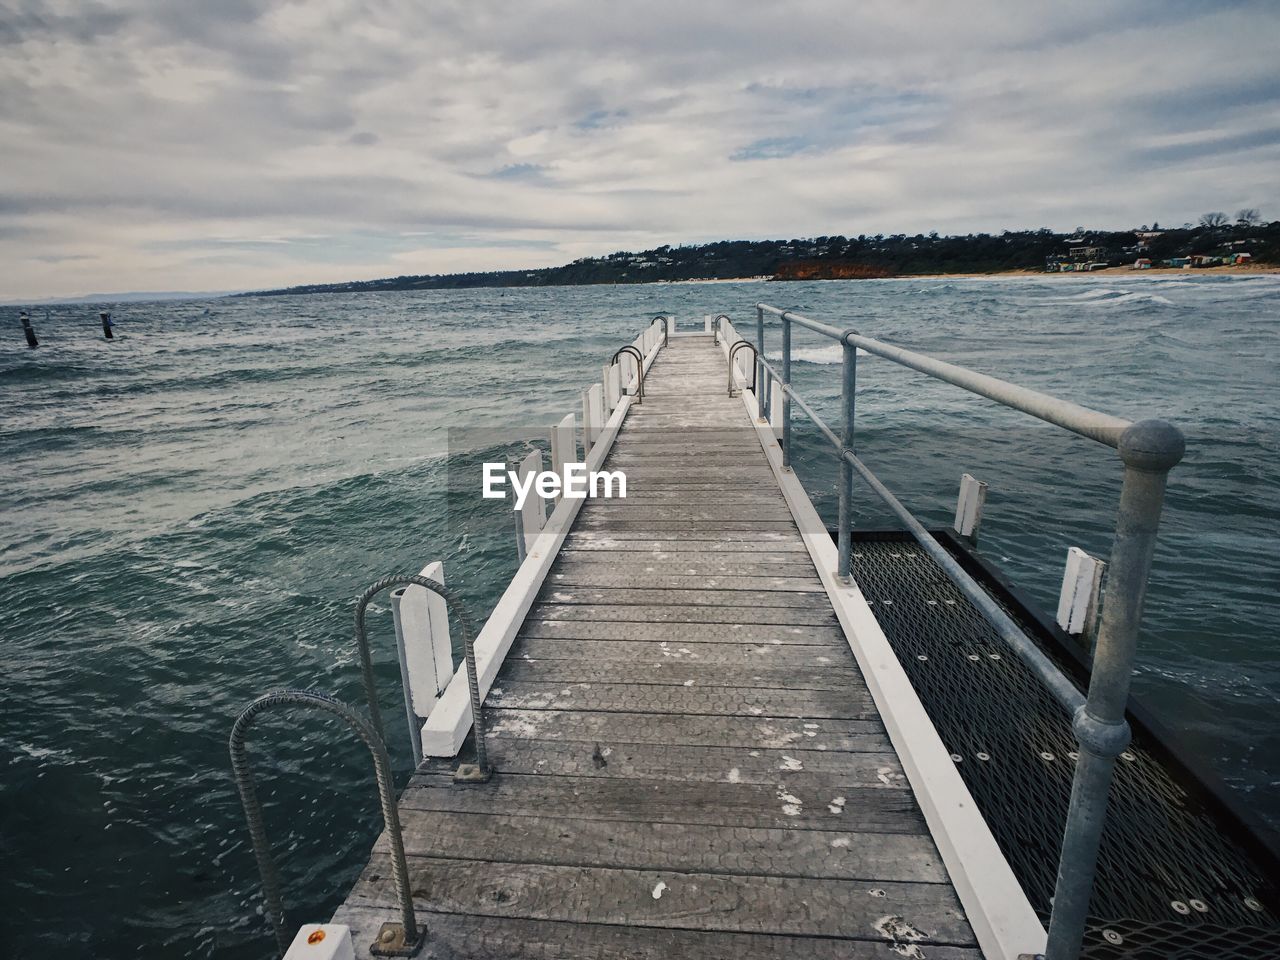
(192, 508)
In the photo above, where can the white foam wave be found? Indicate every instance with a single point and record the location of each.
(832, 355)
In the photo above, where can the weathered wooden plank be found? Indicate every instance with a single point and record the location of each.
(684, 598)
(500, 938)
(693, 529)
(650, 613)
(686, 562)
(748, 657)
(837, 770)
(687, 698)
(675, 673)
(642, 844)
(539, 624)
(768, 543)
(756, 733)
(676, 577)
(689, 901)
(729, 514)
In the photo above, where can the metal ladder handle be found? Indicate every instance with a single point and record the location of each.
(410, 937)
(456, 610)
(630, 350)
(715, 326)
(733, 352)
(665, 319)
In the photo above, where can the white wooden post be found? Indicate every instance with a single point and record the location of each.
(613, 386)
(1081, 587)
(426, 654)
(706, 322)
(973, 494)
(322, 941)
(533, 514)
(607, 402)
(593, 422)
(633, 384)
(775, 407)
(564, 448)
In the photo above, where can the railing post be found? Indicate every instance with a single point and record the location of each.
(786, 397)
(1149, 449)
(761, 389)
(849, 381)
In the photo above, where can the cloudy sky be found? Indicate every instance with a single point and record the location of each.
(234, 144)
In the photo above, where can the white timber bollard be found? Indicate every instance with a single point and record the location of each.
(322, 941)
(426, 654)
(973, 495)
(613, 385)
(607, 401)
(1081, 589)
(593, 421)
(533, 513)
(564, 447)
(775, 407)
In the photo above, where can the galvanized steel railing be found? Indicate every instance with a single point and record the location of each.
(1148, 450)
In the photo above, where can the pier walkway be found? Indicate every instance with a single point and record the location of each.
(688, 760)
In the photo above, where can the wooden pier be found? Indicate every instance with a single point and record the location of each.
(688, 760)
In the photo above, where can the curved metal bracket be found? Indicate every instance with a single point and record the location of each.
(480, 771)
(715, 325)
(733, 351)
(406, 938)
(631, 349)
(666, 327)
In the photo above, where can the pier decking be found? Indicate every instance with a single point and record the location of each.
(688, 760)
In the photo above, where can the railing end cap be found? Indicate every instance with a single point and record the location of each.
(1152, 445)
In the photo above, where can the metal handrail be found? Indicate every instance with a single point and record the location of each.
(480, 771)
(1149, 449)
(630, 349)
(404, 939)
(733, 351)
(1093, 424)
(715, 326)
(666, 327)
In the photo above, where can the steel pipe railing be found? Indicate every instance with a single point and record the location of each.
(403, 939)
(480, 771)
(1149, 449)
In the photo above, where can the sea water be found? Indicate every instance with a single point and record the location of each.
(190, 509)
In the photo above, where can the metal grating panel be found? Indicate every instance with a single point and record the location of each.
(1171, 882)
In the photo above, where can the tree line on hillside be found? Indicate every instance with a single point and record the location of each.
(861, 256)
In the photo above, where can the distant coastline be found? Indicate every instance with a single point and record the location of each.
(1220, 248)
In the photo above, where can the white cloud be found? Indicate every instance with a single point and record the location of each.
(214, 146)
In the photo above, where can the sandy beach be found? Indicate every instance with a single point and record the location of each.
(1252, 270)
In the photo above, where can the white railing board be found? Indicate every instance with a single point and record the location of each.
(450, 722)
(595, 411)
(606, 402)
(533, 512)
(969, 503)
(1081, 585)
(613, 385)
(564, 446)
(775, 407)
